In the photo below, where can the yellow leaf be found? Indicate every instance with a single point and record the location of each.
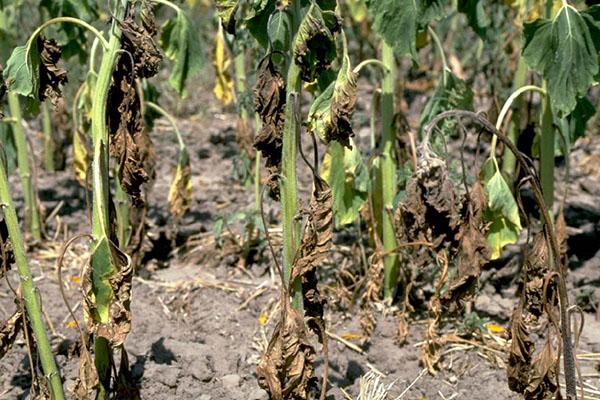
(180, 192)
(222, 61)
(494, 328)
(262, 319)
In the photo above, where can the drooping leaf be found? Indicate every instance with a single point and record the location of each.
(138, 41)
(314, 44)
(397, 21)
(108, 292)
(52, 76)
(180, 192)
(22, 72)
(564, 51)
(222, 62)
(280, 30)
(502, 212)
(450, 93)
(9, 330)
(257, 20)
(330, 115)
(180, 42)
(477, 16)
(344, 170)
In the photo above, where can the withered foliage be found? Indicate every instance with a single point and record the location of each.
(51, 74)
(312, 253)
(129, 140)
(286, 370)
(430, 211)
(315, 49)
(342, 109)
(117, 328)
(269, 103)
(473, 251)
(87, 380)
(534, 376)
(138, 42)
(9, 330)
(126, 389)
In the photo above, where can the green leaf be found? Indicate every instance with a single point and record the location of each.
(330, 115)
(226, 10)
(502, 212)
(450, 93)
(398, 21)
(257, 20)
(180, 42)
(343, 169)
(476, 15)
(280, 30)
(564, 51)
(22, 72)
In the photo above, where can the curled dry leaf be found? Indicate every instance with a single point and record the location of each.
(180, 193)
(535, 267)
(473, 251)
(314, 46)
(286, 370)
(430, 211)
(542, 381)
(87, 380)
(109, 304)
(137, 41)
(51, 75)
(521, 350)
(313, 251)
(223, 90)
(330, 115)
(269, 103)
(9, 330)
(127, 134)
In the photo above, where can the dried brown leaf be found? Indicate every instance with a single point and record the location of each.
(521, 350)
(137, 41)
(9, 330)
(51, 75)
(7, 258)
(542, 381)
(286, 370)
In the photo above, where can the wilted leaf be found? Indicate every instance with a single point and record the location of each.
(286, 370)
(81, 157)
(348, 177)
(330, 115)
(181, 43)
(564, 50)
(180, 193)
(138, 42)
(473, 251)
(22, 72)
(51, 75)
(543, 381)
(521, 350)
(397, 21)
(269, 103)
(222, 62)
(108, 292)
(314, 44)
(502, 212)
(9, 330)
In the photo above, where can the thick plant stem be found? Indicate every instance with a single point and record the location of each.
(32, 213)
(30, 293)
(388, 173)
(100, 214)
(509, 161)
(547, 154)
(289, 190)
(49, 147)
(240, 82)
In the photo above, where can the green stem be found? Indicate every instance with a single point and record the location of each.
(371, 61)
(31, 210)
(49, 147)
(100, 179)
(30, 292)
(509, 161)
(440, 48)
(388, 173)
(257, 160)
(171, 120)
(547, 142)
(60, 20)
(240, 81)
(289, 190)
(168, 4)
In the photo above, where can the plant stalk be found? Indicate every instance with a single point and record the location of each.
(100, 165)
(30, 293)
(547, 142)
(388, 173)
(49, 147)
(32, 213)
